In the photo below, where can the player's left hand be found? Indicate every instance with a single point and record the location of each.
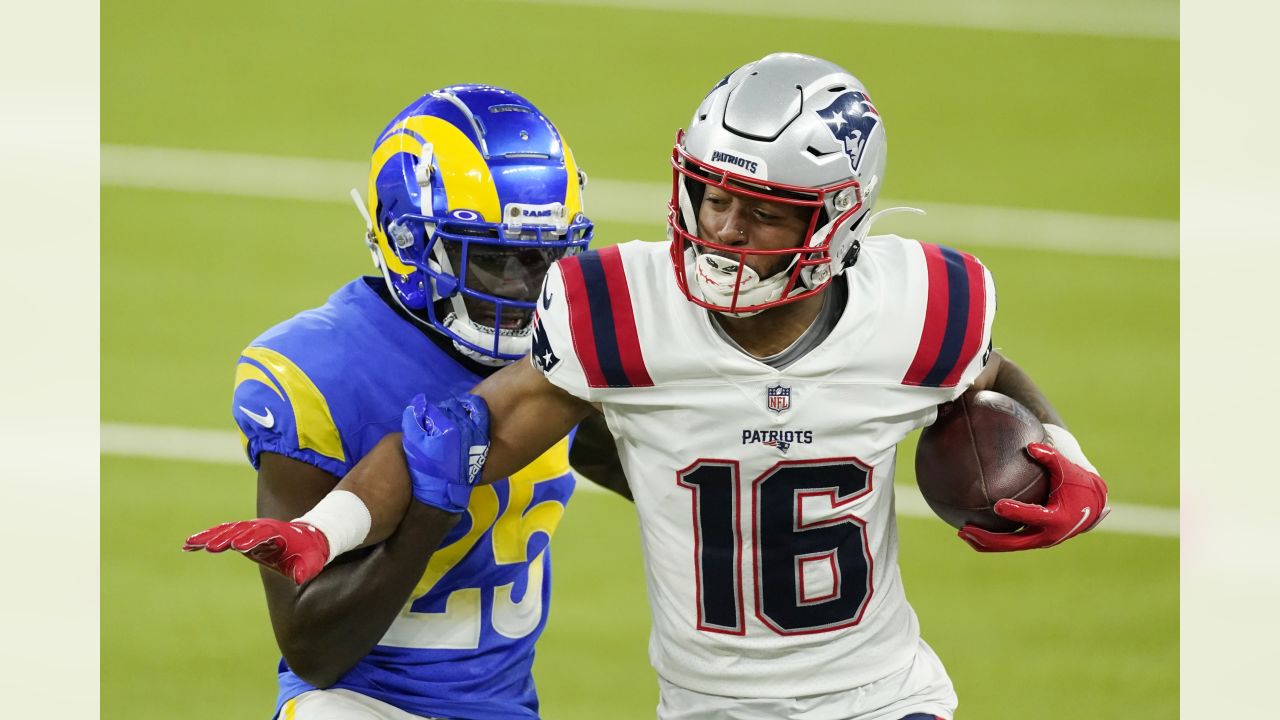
(1077, 503)
(296, 550)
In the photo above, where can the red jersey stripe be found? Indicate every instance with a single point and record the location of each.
(935, 316)
(624, 320)
(584, 342)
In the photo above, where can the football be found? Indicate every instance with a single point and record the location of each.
(975, 454)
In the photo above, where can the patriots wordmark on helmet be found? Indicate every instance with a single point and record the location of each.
(851, 118)
(749, 165)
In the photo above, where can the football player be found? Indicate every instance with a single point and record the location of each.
(472, 195)
(757, 399)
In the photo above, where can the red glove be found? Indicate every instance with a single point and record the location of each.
(1077, 502)
(296, 550)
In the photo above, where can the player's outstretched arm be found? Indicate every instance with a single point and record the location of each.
(325, 626)
(1077, 496)
(373, 498)
(510, 418)
(444, 450)
(434, 463)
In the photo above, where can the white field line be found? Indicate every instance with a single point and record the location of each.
(223, 447)
(1104, 18)
(317, 180)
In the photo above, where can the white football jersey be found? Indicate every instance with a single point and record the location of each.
(766, 496)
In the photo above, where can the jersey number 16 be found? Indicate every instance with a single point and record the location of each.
(811, 565)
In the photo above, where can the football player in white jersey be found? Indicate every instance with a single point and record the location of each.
(757, 402)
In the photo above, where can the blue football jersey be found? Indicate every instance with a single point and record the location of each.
(324, 387)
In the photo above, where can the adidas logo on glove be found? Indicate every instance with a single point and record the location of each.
(476, 458)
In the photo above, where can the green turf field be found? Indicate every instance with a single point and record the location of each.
(1062, 122)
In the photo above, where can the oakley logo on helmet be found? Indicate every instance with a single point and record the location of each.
(724, 157)
(851, 118)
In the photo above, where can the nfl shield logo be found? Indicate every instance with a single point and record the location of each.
(779, 398)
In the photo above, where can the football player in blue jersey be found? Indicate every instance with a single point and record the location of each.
(472, 195)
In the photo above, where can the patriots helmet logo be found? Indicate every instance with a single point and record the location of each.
(782, 445)
(851, 118)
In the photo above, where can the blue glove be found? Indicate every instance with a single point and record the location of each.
(445, 445)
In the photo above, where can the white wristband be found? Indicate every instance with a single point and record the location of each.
(1066, 444)
(344, 520)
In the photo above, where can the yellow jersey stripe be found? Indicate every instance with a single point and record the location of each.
(248, 371)
(316, 428)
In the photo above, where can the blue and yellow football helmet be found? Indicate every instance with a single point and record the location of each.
(473, 194)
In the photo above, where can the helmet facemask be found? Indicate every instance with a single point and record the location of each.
(723, 279)
(484, 278)
(501, 272)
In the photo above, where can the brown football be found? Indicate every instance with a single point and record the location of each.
(974, 455)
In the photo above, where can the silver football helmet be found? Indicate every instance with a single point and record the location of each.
(787, 128)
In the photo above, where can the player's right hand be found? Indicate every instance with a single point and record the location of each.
(296, 550)
(445, 446)
(1077, 503)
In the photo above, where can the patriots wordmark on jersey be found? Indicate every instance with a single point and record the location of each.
(323, 388)
(766, 495)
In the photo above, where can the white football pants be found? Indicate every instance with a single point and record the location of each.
(921, 687)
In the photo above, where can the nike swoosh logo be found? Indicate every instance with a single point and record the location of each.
(266, 421)
(546, 298)
(1084, 517)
